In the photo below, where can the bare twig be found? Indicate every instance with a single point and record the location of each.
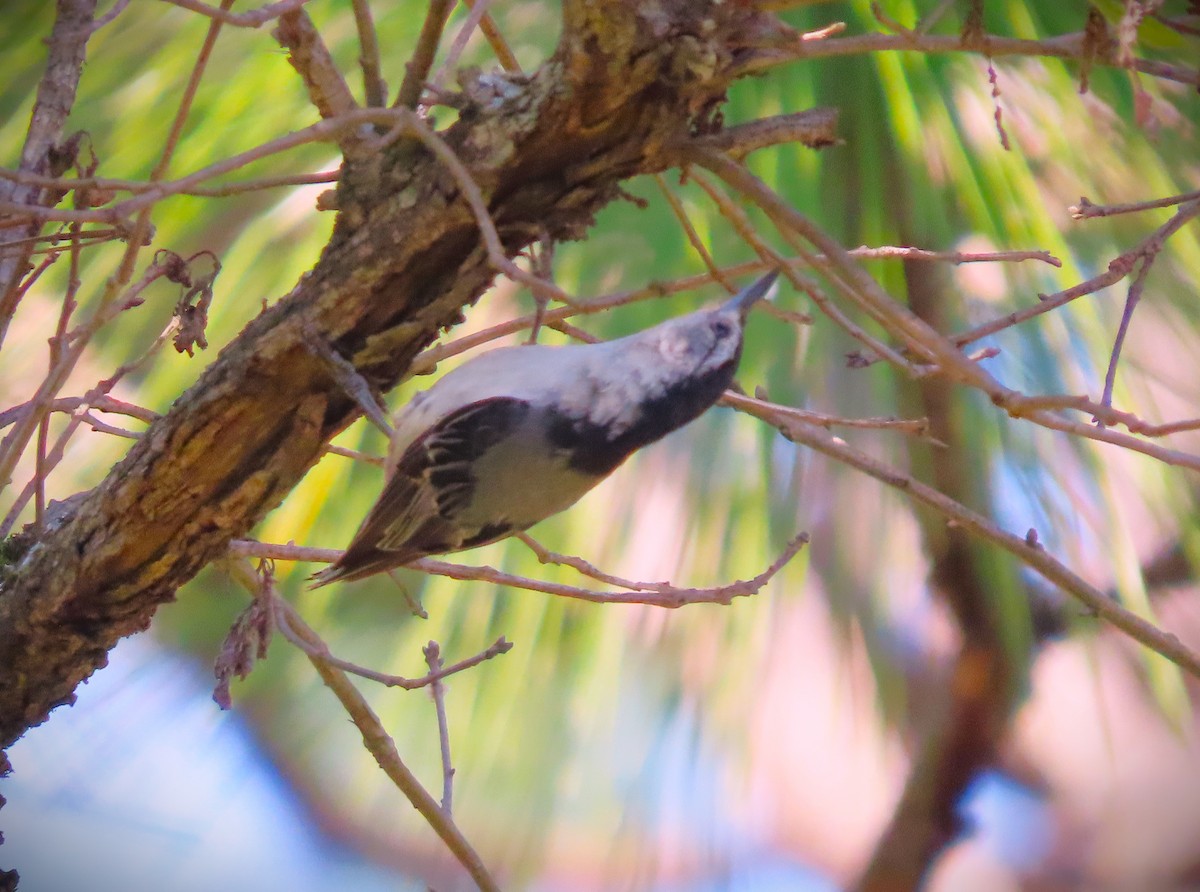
(545, 556)
(652, 594)
(374, 89)
(497, 648)
(1085, 210)
(1118, 268)
(437, 691)
(108, 18)
(253, 19)
(416, 70)
(381, 746)
(917, 427)
(806, 284)
(478, 10)
(693, 236)
(504, 54)
(1030, 553)
(1131, 301)
(1065, 46)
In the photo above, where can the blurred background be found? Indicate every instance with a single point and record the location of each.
(761, 746)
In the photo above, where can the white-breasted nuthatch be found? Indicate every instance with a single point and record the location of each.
(520, 433)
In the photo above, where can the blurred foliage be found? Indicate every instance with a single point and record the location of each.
(567, 731)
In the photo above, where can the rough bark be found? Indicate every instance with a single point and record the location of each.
(547, 151)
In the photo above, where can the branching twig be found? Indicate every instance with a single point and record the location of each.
(381, 746)
(650, 593)
(504, 54)
(545, 556)
(1023, 548)
(1118, 268)
(437, 691)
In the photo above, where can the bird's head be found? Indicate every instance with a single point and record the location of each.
(710, 340)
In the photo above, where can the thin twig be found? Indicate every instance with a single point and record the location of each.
(66, 50)
(416, 70)
(917, 427)
(649, 594)
(1132, 297)
(381, 746)
(806, 284)
(374, 89)
(545, 556)
(1085, 210)
(945, 356)
(477, 11)
(1118, 268)
(437, 691)
(253, 19)
(504, 54)
(1029, 552)
(693, 236)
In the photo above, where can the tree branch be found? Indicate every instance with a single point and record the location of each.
(405, 257)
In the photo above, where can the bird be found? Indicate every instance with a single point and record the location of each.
(520, 433)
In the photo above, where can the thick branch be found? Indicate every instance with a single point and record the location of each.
(405, 257)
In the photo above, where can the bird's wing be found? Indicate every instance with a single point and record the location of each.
(415, 514)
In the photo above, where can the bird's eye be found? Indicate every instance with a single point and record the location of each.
(722, 328)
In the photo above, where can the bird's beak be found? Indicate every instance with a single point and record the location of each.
(745, 298)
